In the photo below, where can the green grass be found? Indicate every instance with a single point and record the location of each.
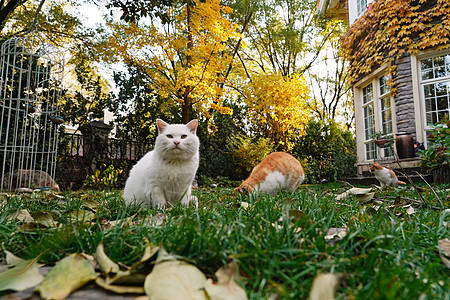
(385, 255)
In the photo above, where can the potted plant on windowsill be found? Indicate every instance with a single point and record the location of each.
(382, 140)
(436, 158)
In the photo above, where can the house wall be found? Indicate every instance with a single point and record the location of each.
(404, 98)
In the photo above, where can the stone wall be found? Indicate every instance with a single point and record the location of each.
(404, 101)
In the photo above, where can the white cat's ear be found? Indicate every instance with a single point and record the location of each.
(161, 125)
(192, 125)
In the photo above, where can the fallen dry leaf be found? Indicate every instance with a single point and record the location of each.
(119, 289)
(226, 288)
(21, 215)
(137, 273)
(68, 275)
(173, 279)
(444, 247)
(22, 276)
(107, 266)
(324, 286)
(82, 216)
(362, 194)
(11, 259)
(334, 235)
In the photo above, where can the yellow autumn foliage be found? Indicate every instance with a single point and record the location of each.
(278, 103)
(183, 59)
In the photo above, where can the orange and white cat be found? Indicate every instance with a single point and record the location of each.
(278, 171)
(385, 176)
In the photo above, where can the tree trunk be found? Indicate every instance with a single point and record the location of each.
(7, 9)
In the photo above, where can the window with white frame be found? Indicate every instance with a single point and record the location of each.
(435, 86)
(369, 121)
(377, 113)
(361, 6)
(384, 101)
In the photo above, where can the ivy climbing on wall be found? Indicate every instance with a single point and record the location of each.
(392, 28)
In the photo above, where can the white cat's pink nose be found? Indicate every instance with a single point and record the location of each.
(176, 143)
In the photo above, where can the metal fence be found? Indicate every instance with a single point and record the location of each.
(117, 149)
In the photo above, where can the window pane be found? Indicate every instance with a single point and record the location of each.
(367, 94)
(369, 121)
(427, 68)
(371, 150)
(436, 67)
(437, 101)
(443, 115)
(430, 104)
(429, 91)
(386, 115)
(361, 6)
(384, 88)
(442, 103)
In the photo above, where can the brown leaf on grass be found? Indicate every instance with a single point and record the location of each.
(173, 279)
(324, 286)
(22, 276)
(82, 216)
(226, 288)
(444, 253)
(111, 224)
(362, 194)
(43, 218)
(137, 273)
(68, 275)
(21, 215)
(334, 235)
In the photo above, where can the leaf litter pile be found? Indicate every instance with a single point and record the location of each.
(319, 242)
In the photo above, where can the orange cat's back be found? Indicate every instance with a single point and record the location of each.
(277, 171)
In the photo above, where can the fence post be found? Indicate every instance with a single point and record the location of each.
(95, 143)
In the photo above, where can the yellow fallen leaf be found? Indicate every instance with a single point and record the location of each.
(11, 259)
(119, 289)
(324, 286)
(107, 266)
(354, 191)
(137, 273)
(22, 276)
(68, 275)
(444, 247)
(21, 215)
(173, 279)
(82, 216)
(226, 288)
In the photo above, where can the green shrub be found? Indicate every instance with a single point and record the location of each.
(248, 152)
(103, 180)
(326, 151)
(437, 156)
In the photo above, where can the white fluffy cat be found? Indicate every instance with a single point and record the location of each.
(165, 174)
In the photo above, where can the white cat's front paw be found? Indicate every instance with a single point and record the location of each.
(194, 200)
(188, 199)
(160, 204)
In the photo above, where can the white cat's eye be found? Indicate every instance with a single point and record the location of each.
(183, 136)
(170, 136)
